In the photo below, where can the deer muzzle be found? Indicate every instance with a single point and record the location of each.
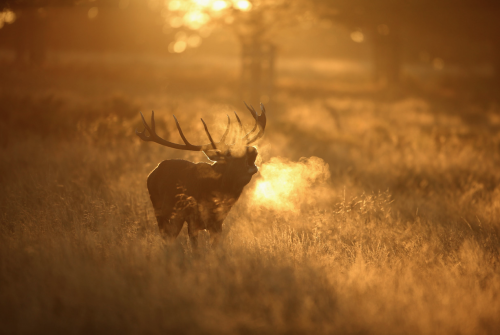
(253, 170)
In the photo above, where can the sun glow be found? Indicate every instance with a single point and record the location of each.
(219, 5)
(7, 16)
(174, 5)
(200, 16)
(243, 5)
(194, 20)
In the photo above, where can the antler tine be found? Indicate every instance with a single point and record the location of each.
(223, 138)
(153, 137)
(261, 122)
(238, 119)
(208, 134)
(142, 134)
(255, 116)
(180, 132)
(153, 121)
(251, 109)
(242, 128)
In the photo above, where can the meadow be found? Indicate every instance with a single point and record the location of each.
(373, 212)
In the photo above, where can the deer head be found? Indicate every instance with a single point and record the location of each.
(237, 156)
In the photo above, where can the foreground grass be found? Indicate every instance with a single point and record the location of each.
(80, 251)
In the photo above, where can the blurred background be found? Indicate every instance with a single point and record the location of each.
(377, 89)
(377, 205)
(261, 48)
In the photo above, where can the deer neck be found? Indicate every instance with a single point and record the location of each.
(227, 185)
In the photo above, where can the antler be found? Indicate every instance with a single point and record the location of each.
(260, 122)
(153, 137)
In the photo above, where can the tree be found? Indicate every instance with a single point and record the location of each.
(255, 24)
(392, 25)
(78, 24)
(29, 39)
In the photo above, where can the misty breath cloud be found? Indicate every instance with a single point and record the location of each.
(284, 185)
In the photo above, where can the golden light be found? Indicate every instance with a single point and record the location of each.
(174, 5)
(180, 36)
(180, 46)
(243, 5)
(197, 15)
(205, 31)
(194, 20)
(203, 3)
(7, 16)
(92, 13)
(219, 5)
(176, 22)
(194, 41)
(357, 36)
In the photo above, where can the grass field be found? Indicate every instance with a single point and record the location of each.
(371, 215)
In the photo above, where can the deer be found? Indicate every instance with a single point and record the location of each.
(202, 194)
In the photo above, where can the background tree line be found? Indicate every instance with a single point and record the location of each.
(458, 32)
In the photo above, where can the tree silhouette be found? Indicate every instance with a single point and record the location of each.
(29, 39)
(255, 24)
(393, 26)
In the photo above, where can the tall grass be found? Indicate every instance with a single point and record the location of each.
(398, 234)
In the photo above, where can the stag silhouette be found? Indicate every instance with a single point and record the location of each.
(202, 194)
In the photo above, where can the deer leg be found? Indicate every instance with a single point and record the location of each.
(193, 237)
(215, 239)
(170, 229)
(194, 226)
(216, 235)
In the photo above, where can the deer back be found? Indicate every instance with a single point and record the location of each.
(183, 183)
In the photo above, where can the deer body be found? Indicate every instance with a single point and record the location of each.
(201, 194)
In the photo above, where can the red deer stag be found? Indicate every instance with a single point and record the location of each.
(200, 193)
